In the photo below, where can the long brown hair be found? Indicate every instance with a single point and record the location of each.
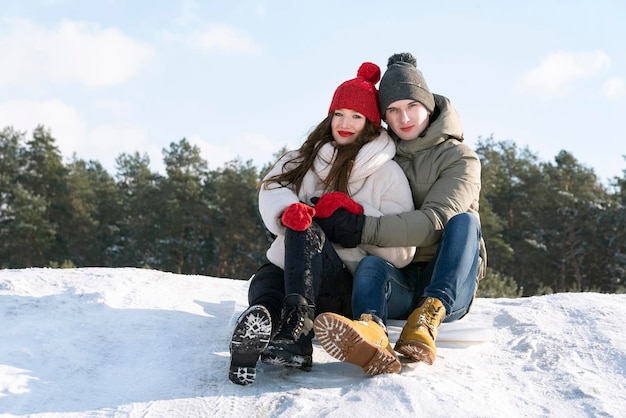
(339, 174)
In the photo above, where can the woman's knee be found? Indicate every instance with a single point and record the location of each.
(268, 281)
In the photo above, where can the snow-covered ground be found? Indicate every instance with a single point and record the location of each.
(102, 342)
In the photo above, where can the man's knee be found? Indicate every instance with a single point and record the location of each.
(464, 222)
(371, 271)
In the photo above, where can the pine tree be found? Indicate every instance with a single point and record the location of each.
(45, 176)
(576, 195)
(242, 238)
(96, 210)
(26, 235)
(139, 223)
(185, 214)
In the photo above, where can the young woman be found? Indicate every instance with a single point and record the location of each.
(346, 159)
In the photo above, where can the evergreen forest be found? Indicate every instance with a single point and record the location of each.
(549, 226)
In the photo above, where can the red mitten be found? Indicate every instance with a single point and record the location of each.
(330, 202)
(298, 216)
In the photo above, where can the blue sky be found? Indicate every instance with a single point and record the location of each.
(245, 78)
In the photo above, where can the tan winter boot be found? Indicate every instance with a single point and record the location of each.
(363, 342)
(417, 340)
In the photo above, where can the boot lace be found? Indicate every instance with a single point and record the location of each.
(293, 323)
(429, 317)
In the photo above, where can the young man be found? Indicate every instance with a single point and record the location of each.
(439, 285)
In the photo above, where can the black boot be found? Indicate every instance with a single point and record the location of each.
(250, 338)
(292, 345)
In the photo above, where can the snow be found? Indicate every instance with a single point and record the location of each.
(104, 342)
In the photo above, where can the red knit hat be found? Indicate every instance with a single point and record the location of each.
(360, 94)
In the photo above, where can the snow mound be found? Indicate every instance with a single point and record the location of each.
(133, 342)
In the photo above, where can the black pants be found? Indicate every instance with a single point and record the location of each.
(312, 269)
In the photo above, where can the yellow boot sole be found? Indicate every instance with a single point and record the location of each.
(338, 336)
(416, 351)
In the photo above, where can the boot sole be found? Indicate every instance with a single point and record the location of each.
(277, 357)
(416, 351)
(250, 337)
(336, 335)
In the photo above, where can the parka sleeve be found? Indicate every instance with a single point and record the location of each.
(455, 190)
(395, 198)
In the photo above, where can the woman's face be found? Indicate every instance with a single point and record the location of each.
(407, 118)
(346, 125)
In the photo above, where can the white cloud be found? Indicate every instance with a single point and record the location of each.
(189, 12)
(63, 120)
(72, 51)
(557, 73)
(226, 39)
(217, 38)
(110, 141)
(71, 133)
(254, 147)
(216, 154)
(615, 88)
(115, 107)
(258, 144)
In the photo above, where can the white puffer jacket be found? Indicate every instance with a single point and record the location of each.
(376, 182)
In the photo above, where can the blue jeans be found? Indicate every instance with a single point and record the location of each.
(381, 289)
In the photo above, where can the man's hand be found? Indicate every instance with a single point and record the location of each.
(330, 202)
(343, 227)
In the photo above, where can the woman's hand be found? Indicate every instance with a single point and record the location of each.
(298, 216)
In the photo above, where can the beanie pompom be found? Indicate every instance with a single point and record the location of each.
(369, 71)
(360, 93)
(402, 57)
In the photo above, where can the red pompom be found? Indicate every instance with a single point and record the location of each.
(369, 71)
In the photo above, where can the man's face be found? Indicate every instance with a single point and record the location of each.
(407, 118)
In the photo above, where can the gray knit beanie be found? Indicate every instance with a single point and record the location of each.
(402, 80)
